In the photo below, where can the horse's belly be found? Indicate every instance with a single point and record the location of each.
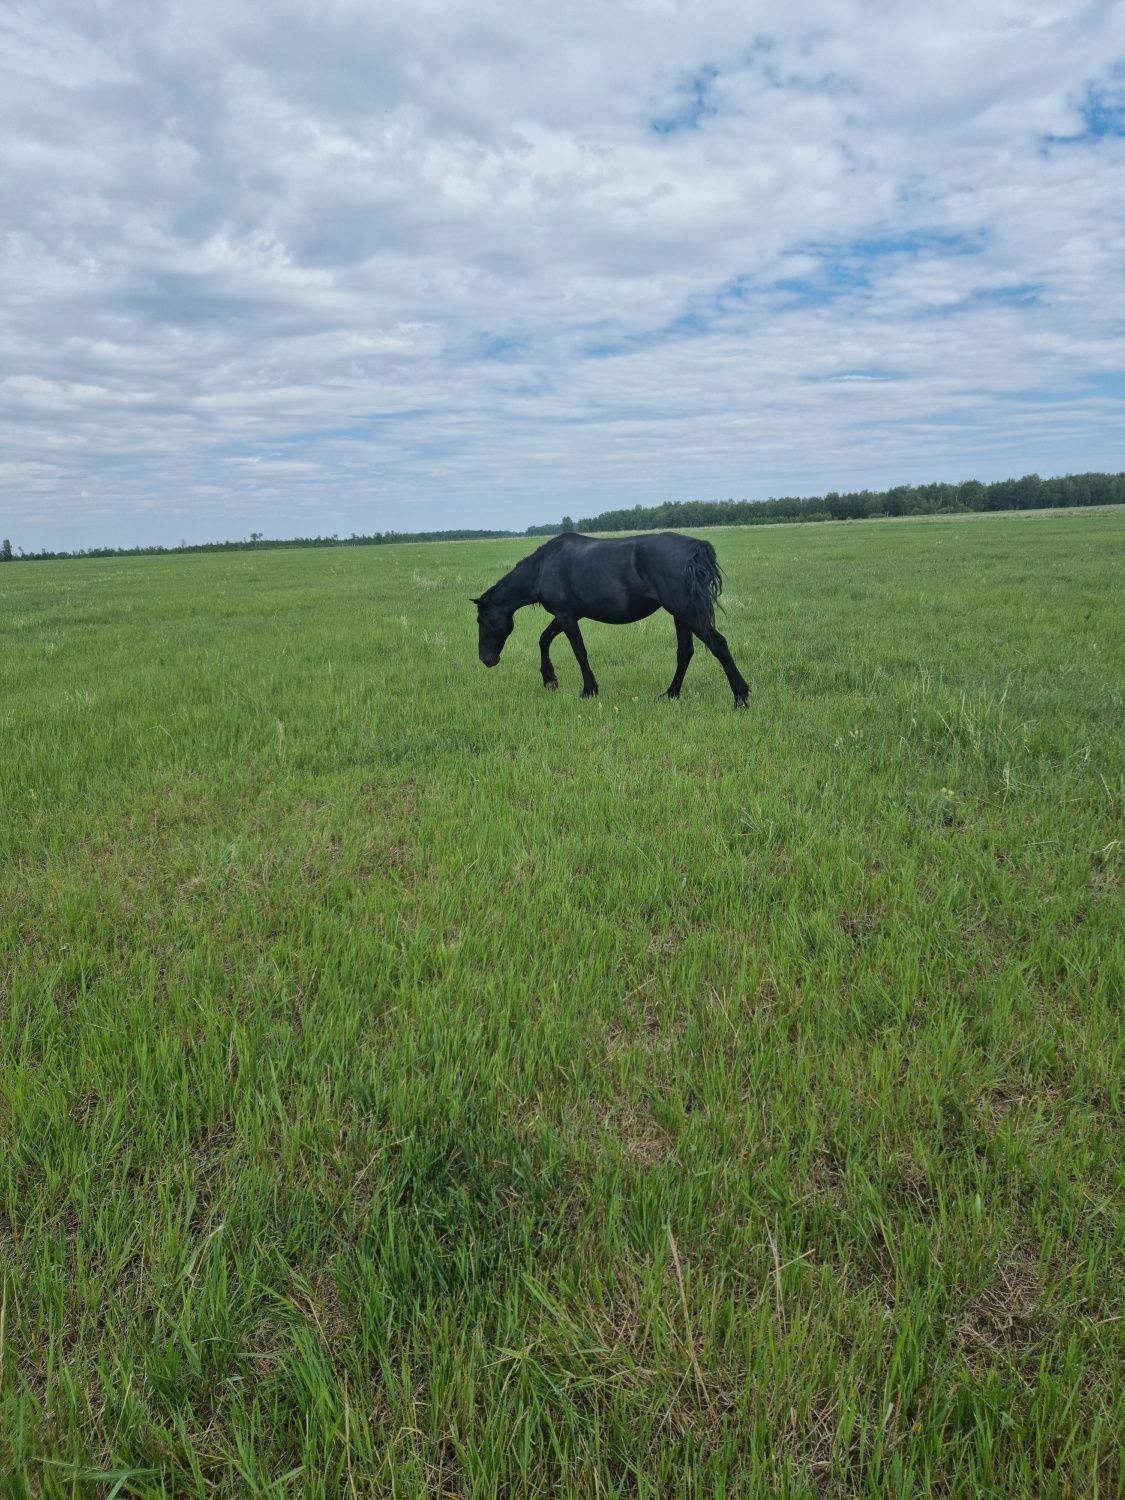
(610, 613)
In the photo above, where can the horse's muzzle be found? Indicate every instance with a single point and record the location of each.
(490, 661)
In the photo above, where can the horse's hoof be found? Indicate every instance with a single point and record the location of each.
(742, 702)
(552, 685)
(589, 692)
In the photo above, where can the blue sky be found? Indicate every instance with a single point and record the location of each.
(346, 267)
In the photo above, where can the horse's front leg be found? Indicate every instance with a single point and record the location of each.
(574, 636)
(545, 667)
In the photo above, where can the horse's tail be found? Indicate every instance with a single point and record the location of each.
(704, 581)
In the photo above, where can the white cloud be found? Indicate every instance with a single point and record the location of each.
(343, 267)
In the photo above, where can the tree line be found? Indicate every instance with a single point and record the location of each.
(255, 542)
(1028, 493)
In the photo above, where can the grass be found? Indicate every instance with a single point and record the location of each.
(414, 1083)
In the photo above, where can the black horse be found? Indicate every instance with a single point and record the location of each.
(581, 578)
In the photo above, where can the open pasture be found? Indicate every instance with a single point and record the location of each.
(416, 1083)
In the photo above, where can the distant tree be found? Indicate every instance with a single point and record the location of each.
(566, 524)
(255, 537)
(5, 550)
(1026, 492)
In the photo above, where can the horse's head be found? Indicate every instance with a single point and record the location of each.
(495, 626)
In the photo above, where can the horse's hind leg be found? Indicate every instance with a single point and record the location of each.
(717, 645)
(685, 649)
(545, 667)
(574, 636)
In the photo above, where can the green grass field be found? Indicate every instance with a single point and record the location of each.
(414, 1083)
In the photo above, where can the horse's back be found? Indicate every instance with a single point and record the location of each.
(654, 552)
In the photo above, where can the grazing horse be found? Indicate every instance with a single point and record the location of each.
(617, 581)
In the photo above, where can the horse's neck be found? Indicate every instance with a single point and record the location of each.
(516, 588)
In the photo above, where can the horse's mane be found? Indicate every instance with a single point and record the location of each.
(526, 571)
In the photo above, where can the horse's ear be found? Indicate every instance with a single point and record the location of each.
(474, 601)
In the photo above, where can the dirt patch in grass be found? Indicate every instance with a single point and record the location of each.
(911, 1182)
(641, 1139)
(643, 1027)
(1004, 1317)
(861, 924)
(443, 1473)
(826, 1179)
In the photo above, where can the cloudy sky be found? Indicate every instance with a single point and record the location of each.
(347, 265)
